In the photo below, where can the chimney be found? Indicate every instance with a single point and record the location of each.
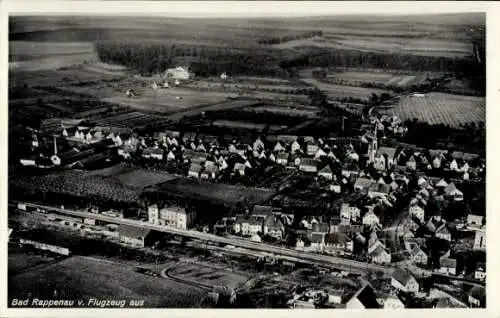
(55, 145)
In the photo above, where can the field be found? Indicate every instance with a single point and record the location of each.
(336, 92)
(119, 184)
(20, 261)
(382, 79)
(131, 120)
(216, 191)
(206, 275)
(243, 125)
(440, 108)
(33, 55)
(84, 278)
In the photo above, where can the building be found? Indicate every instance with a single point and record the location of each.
(480, 272)
(452, 192)
(326, 173)
(210, 171)
(364, 298)
(370, 218)
(178, 73)
(135, 236)
(475, 220)
(239, 169)
(194, 170)
(480, 239)
(338, 242)
(417, 211)
(363, 184)
(391, 302)
(477, 297)
(262, 211)
(384, 158)
(248, 226)
(443, 233)
(317, 241)
(377, 190)
(418, 256)
(380, 256)
(274, 227)
(177, 217)
(308, 165)
(448, 266)
(349, 211)
(403, 280)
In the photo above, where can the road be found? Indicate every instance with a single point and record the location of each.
(307, 257)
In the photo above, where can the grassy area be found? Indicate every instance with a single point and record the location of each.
(207, 275)
(19, 261)
(84, 278)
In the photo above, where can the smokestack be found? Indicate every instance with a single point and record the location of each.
(55, 145)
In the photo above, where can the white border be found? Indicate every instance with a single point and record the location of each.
(268, 9)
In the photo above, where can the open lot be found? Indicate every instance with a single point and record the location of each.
(440, 108)
(206, 275)
(82, 278)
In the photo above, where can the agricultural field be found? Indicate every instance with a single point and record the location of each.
(81, 278)
(336, 92)
(20, 261)
(382, 79)
(295, 111)
(120, 186)
(206, 275)
(131, 120)
(169, 100)
(229, 194)
(36, 56)
(233, 124)
(441, 108)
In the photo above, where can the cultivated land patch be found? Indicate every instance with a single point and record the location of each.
(335, 91)
(206, 275)
(19, 261)
(35, 56)
(441, 108)
(84, 278)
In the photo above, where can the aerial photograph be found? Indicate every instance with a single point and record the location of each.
(334, 161)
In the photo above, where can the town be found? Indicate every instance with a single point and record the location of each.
(345, 209)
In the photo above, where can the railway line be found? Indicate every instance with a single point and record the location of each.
(306, 257)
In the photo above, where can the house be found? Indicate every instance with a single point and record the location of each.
(417, 211)
(178, 73)
(317, 241)
(403, 280)
(349, 211)
(377, 189)
(177, 217)
(308, 165)
(477, 297)
(364, 298)
(451, 191)
(258, 144)
(170, 156)
(282, 158)
(391, 302)
(312, 148)
(418, 256)
(335, 187)
(363, 184)
(155, 153)
(294, 147)
(320, 227)
(153, 214)
(256, 238)
(210, 172)
(326, 173)
(448, 266)
(133, 235)
(335, 296)
(194, 170)
(370, 219)
(239, 168)
(443, 233)
(319, 154)
(195, 156)
(475, 220)
(412, 163)
(380, 256)
(480, 239)
(338, 242)
(384, 158)
(262, 211)
(248, 226)
(278, 147)
(274, 227)
(444, 299)
(480, 272)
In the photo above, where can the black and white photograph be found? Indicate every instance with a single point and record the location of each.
(307, 161)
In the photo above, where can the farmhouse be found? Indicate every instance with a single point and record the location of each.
(417, 211)
(384, 158)
(338, 242)
(326, 173)
(135, 236)
(448, 266)
(451, 191)
(195, 156)
(194, 170)
(210, 171)
(274, 227)
(418, 256)
(364, 298)
(178, 73)
(403, 280)
(239, 169)
(154, 153)
(282, 158)
(380, 256)
(177, 217)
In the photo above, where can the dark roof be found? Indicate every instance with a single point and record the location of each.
(366, 295)
(401, 276)
(316, 238)
(133, 231)
(262, 210)
(274, 222)
(378, 187)
(389, 151)
(336, 238)
(448, 262)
